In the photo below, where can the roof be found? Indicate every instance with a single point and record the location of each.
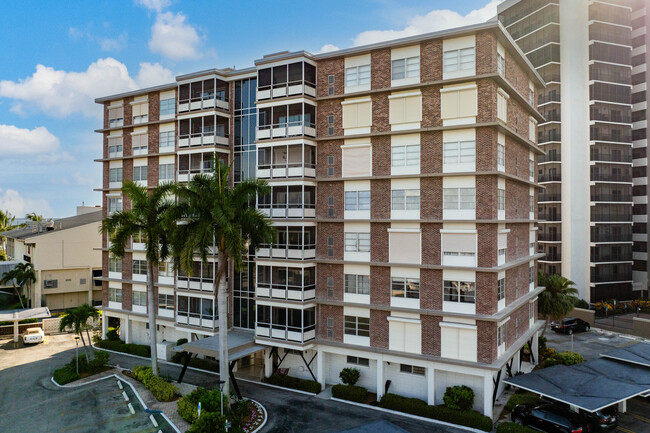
(638, 353)
(28, 313)
(167, 86)
(60, 224)
(591, 385)
(240, 344)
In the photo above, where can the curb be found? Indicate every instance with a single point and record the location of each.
(311, 394)
(408, 415)
(266, 416)
(124, 381)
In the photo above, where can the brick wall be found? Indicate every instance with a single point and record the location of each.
(431, 197)
(380, 112)
(128, 111)
(380, 285)
(105, 174)
(326, 230)
(517, 200)
(328, 108)
(486, 149)
(487, 244)
(326, 68)
(517, 325)
(127, 145)
(431, 152)
(152, 172)
(431, 60)
(325, 271)
(379, 329)
(381, 155)
(325, 191)
(517, 157)
(431, 106)
(487, 101)
(379, 242)
(487, 341)
(127, 266)
(431, 243)
(380, 197)
(486, 292)
(323, 151)
(431, 329)
(127, 296)
(486, 197)
(430, 291)
(518, 241)
(380, 67)
(335, 313)
(516, 282)
(154, 106)
(153, 138)
(486, 52)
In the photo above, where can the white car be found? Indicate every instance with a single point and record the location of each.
(33, 336)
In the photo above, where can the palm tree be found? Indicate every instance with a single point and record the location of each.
(558, 298)
(25, 275)
(34, 217)
(216, 214)
(87, 312)
(77, 319)
(148, 216)
(11, 277)
(6, 224)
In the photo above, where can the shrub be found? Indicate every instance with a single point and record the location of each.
(83, 363)
(350, 376)
(414, 406)
(181, 341)
(120, 346)
(99, 360)
(65, 375)
(563, 358)
(161, 389)
(511, 427)
(580, 303)
(210, 402)
(459, 397)
(22, 322)
(112, 335)
(210, 422)
(295, 383)
(142, 373)
(350, 392)
(521, 398)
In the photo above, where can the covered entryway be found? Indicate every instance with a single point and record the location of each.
(241, 344)
(593, 385)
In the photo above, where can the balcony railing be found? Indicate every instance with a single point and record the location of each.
(548, 216)
(607, 237)
(290, 252)
(612, 197)
(610, 217)
(611, 177)
(549, 197)
(283, 170)
(550, 177)
(549, 237)
(286, 129)
(298, 87)
(285, 332)
(204, 102)
(286, 292)
(624, 256)
(288, 210)
(610, 157)
(194, 283)
(613, 277)
(204, 138)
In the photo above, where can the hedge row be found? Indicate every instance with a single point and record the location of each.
(415, 406)
(511, 427)
(355, 393)
(295, 383)
(521, 398)
(160, 388)
(210, 402)
(68, 373)
(120, 346)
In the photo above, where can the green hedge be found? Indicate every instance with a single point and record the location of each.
(415, 406)
(521, 398)
(120, 346)
(295, 383)
(460, 397)
(160, 388)
(22, 322)
(511, 427)
(65, 375)
(350, 392)
(68, 373)
(210, 402)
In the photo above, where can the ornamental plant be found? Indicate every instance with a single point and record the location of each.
(459, 397)
(349, 376)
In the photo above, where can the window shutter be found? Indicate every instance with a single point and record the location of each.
(404, 247)
(459, 242)
(356, 161)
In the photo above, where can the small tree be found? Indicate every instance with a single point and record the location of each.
(350, 376)
(25, 275)
(76, 319)
(558, 298)
(11, 277)
(459, 397)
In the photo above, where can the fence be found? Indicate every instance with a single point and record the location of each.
(49, 326)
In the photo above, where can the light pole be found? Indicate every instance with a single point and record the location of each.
(76, 351)
(221, 382)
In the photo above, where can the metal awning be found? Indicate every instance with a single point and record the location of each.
(22, 314)
(240, 344)
(591, 385)
(638, 353)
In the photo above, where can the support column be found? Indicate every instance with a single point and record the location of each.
(104, 325)
(431, 385)
(268, 363)
(622, 406)
(516, 363)
(125, 329)
(380, 377)
(488, 390)
(15, 331)
(91, 286)
(320, 370)
(535, 349)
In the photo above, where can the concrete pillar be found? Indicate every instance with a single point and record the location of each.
(15, 331)
(91, 286)
(268, 363)
(622, 406)
(125, 329)
(431, 385)
(535, 349)
(380, 377)
(516, 362)
(104, 325)
(320, 368)
(36, 291)
(488, 390)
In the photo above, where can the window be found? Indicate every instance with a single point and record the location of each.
(166, 172)
(531, 274)
(196, 308)
(501, 252)
(401, 287)
(115, 117)
(364, 362)
(330, 79)
(501, 199)
(139, 237)
(405, 199)
(357, 76)
(140, 298)
(531, 204)
(114, 147)
(140, 173)
(501, 155)
(114, 294)
(458, 60)
(139, 144)
(166, 302)
(114, 264)
(403, 156)
(357, 284)
(357, 242)
(406, 68)
(411, 369)
(460, 291)
(359, 326)
(166, 140)
(140, 112)
(501, 289)
(459, 152)
(165, 269)
(167, 107)
(501, 335)
(502, 107)
(50, 284)
(114, 204)
(140, 267)
(357, 200)
(531, 168)
(459, 198)
(115, 174)
(501, 63)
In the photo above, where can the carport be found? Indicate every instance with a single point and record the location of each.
(240, 345)
(593, 385)
(22, 314)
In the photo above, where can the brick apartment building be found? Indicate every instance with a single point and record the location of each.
(404, 187)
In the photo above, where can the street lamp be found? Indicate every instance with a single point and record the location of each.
(76, 351)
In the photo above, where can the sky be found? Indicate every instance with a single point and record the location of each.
(57, 57)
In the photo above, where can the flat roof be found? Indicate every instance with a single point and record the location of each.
(591, 385)
(22, 314)
(638, 353)
(58, 225)
(240, 344)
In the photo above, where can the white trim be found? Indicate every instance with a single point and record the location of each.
(403, 95)
(448, 89)
(398, 230)
(457, 325)
(356, 101)
(352, 146)
(459, 231)
(403, 320)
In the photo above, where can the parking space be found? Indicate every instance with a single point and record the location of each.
(589, 344)
(637, 418)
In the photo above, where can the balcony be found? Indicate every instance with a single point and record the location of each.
(549, 197)
(189, 165)
(197, 312)
(610, 217)
(550, 177)
(208, 94)
(611, 237)
(202, 131)
(610, 157)
(611, 277)
(288, 324)
(290, 120)
(611, 177)
(293, 243)
(286, 283)
(552, 257)
(549, 237)
(297, 78)
(550, 216)
(294, 201)
(611, 197)
(284, 161)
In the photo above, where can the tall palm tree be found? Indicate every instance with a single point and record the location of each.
(25, 275)
(34, 217)
(219, 215)
(11, 277)
(6, 224)
(148, 216)
(558, 298)
(77, 319)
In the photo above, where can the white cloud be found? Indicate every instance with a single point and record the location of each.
(328, 48)
(13, 202)
(75, 33)
(174, 38)
(438, 19)
(21, 142)
(115, 44)
(60, 93)
(154, 5)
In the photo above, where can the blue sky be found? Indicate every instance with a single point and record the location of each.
(54, 61)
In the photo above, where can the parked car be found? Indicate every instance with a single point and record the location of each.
(570, 325)
(549, 418)
(602, 420)
(33, 336)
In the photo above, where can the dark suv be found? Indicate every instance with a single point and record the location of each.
(549, 418)
(602, 420)
(570, 325)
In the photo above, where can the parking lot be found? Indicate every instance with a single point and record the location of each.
(590, 345)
